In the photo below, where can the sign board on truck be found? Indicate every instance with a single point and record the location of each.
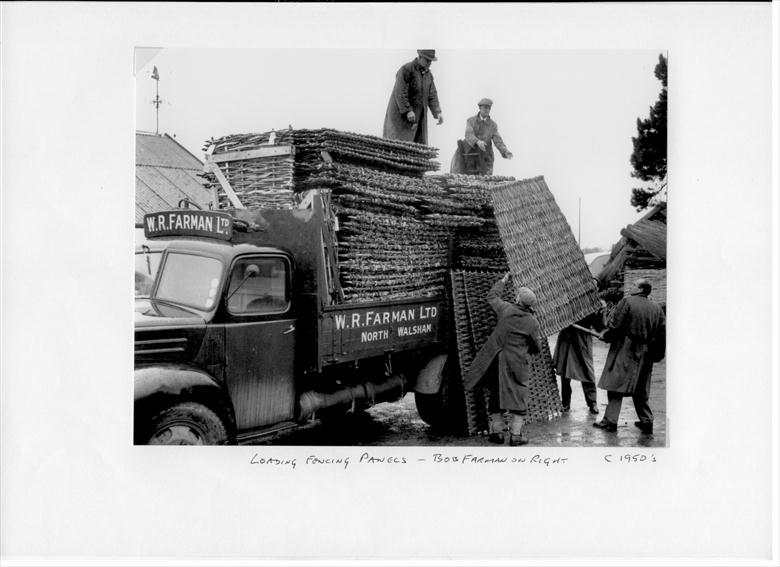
(187, 222)
(354, 332)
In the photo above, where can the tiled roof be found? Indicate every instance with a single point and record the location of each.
(165, 172)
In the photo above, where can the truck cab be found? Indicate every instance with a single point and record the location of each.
(237, 335)
(208, 314)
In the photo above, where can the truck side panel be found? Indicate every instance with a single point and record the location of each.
(353, 332)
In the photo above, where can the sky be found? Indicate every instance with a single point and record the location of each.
(566, 115)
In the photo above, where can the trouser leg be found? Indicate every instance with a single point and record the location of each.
(643, 410)
(516, 423)
(589, 390)
(615, 401)
(565, 392)
(516, 436)
(497, 428)
(497, 423)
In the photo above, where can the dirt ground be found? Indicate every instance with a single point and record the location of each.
(397, 423)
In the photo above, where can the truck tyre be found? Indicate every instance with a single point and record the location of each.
(444, 410)
(187, 423)
(430, 407)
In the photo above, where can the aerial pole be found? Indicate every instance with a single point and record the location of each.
(157, 101)
(579, 219)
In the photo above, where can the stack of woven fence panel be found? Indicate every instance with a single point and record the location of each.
(388, 247)
(266, 182)
(539, 247)
(394, 223)
(474, 321)
(543, 254)
(394, 230)
(271, 182)
(477, 243)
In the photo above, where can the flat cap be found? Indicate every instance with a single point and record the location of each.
(427, 53)
(485, 102)
(525, 297)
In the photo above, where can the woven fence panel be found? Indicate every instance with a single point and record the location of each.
(657, 279)
(474, 321)
(543, 254)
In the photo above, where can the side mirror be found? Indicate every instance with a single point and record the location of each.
(251, 271)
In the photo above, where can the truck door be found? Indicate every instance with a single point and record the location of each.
(260, 341)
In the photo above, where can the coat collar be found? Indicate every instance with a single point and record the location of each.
(417, 67)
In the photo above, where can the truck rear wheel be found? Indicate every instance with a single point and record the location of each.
(444, 410)
(188, 423)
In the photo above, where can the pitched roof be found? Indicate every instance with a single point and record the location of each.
(642, 243)
(165, 172)
(649, 232)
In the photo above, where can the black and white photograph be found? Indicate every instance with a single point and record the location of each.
(339, 273)
(414, 284)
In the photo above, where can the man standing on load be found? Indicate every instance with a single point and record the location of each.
(513, 341)
(413, 93)
(481, 134)
(636, 332)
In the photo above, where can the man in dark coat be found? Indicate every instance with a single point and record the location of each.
(636, 332)
(413, 94)
(481, 134)
(573, 360)
(513, 341)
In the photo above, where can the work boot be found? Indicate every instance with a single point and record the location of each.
(606, 425)
(645, 427)
(516, 437)
(497, 428)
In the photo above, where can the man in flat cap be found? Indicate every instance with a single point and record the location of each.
(481, 134)
(413, 94)
(514, 340)
(636, 331)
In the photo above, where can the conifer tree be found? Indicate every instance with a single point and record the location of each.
(649, 156)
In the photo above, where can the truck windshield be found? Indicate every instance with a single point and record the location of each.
(190, 280)
(146, 265)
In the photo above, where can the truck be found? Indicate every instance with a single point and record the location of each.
(237, 335)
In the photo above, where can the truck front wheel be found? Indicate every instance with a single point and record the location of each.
(188, 423)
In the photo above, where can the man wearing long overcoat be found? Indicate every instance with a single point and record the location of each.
(573, 360)
(513, 341)
(413, 94)
(636, 332)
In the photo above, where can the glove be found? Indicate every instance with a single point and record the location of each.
(410, 117)
(481, 145)
(441, 118)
